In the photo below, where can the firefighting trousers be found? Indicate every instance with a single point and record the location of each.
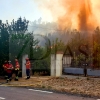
(5, 73)
(9, 76)
(28, 73)
(16, 73)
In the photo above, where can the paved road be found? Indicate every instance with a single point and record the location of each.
(14, 93)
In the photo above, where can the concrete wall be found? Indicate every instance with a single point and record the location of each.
(59, 56)
(90, 72)
(73, 70)
(53, 65)
(23, 65)
(93, 72)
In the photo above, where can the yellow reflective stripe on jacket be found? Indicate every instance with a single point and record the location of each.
(16, 68)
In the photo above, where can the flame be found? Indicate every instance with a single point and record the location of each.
(79, 13)
(85, 17)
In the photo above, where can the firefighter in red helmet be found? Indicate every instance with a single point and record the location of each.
(28, 66)
(9, 71)
(5, 68)
(17, 67)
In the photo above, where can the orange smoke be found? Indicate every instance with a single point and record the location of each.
(74, 14)
(79, 13)
(86, 17)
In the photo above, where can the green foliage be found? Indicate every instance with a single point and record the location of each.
(92, 41)
(42, 65)
(22, 45)
(4, 44)
(57, 45)
(15, 41)
(8, 42)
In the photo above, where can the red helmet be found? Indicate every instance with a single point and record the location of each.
(5, 61)
(27, 58)
(9, 61)
(16, 60)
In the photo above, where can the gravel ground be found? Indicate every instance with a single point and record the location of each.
(84, 86)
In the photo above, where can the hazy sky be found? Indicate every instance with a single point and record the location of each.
(64, 12)
(13, 9)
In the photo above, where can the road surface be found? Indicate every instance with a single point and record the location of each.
(15, 93)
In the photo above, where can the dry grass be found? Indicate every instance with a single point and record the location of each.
(86, 86)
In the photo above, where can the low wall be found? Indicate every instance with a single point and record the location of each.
(93, 72)
(80, 71)
(73, 70)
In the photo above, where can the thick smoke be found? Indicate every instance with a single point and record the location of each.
(75, 14)
(79, 13)
(85, 16)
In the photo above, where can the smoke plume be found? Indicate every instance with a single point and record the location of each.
(76, 14)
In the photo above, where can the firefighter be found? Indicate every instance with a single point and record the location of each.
(5, 68)
(28, 65)
(17, 67)
(9, 71)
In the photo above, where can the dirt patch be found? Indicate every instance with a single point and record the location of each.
(87, 86)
